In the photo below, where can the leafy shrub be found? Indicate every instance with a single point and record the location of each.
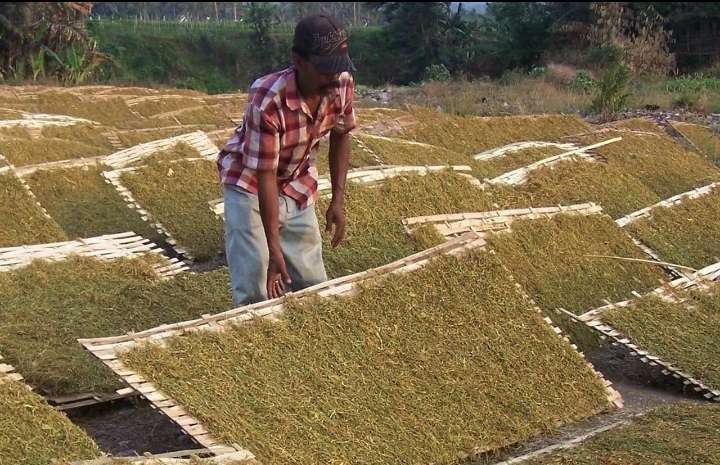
(437, 73)
(611, 94)
(583, 82)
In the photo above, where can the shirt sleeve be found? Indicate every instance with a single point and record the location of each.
(260, 145)
(346, 120)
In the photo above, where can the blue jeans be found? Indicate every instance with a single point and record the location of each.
(247, 251)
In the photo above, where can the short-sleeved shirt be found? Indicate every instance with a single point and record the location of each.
(279, 133)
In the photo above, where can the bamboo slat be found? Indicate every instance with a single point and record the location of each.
(41, 120)
(458, 223)
(107, 247)
(520, 175)
(593, 319)
(518, 146)
(109, 349)
(669, 202)
(198, 140)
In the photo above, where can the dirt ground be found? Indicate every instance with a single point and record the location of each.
(131, 427)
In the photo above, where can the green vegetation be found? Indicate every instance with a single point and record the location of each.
(549, 257)
(413, 369)
(23, 221)
(687, 234)
(177, 195)
(177, 152)
(684, 335)
(375, 234)
(359, 157)
(84, 205)
(34, 433)
(670, 435)
(47, 306)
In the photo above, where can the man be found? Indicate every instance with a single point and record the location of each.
(272, 237)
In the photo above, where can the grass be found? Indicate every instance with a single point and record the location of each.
(47, 306)
(14, 132)
(171, 103)
(34, 433)
(513, 160)
(375, 235)
(548, 257)
(23, 222)
(705, 139)
(659, 162)
(687, 234)
(206, 115)
(21, 152)
(413, 369)
(571, 181)
(84, 205)
(470, 135)
(400, 152)
(684, 335)
(670, 435)
(177, 195)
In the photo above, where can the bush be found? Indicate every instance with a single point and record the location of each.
(437, 73)
(583, 82)
(611, 94)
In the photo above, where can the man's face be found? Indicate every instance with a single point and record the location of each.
(319, 83)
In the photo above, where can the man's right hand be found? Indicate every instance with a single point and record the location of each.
(278, 279)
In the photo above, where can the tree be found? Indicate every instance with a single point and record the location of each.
(416, 32)
(40, 38)
(260, 16)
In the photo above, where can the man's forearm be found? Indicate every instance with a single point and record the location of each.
(268, 200)
(339, 156)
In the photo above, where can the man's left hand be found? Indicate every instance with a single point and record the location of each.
(336, 216)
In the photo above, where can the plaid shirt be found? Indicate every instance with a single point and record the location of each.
(279, 133)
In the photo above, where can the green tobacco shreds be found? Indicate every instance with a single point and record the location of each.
(90, 135)
(687, 234)
(14, 132)
(705, 139)
(47, 306)
(179, 151)
(659, 162)
(413, 369)
(470, 135)
(548, 257)
(22, 152)
(128, 139)
(22, 222)
(571, 181)
(513, 160)
(34, 433)
(110, 112)
(154, 107)
(205, 115)
(359, 158)
(684, 335)
(681, 434)
(84, 204)
(639, 124)
(399, 152)
(375, 235)
(177, 196)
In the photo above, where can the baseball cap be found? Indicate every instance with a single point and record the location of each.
(322, 40)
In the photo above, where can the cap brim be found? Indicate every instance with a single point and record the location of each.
(332, 64)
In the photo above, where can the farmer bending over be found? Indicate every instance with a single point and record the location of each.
(272, 237)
